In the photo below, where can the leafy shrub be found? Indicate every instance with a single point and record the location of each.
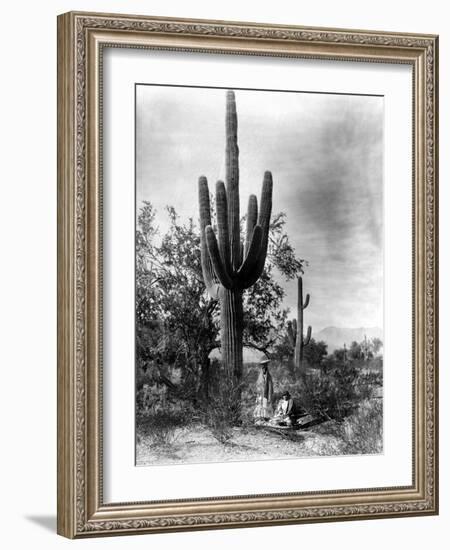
(150, 398)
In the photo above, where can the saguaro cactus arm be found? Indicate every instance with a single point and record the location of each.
(264, 222)
(242, 252)
(252, 218)
(308, 337)
(306, 302)
(222, 224)
(211, 282)
(216, 259)
(252, 255)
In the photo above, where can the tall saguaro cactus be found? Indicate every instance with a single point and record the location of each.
(301, 341)
(231, 264)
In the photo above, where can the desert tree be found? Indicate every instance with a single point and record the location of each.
(175, 318)
(376, 345)
(178, 322)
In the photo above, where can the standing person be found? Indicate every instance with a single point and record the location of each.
(264, 389)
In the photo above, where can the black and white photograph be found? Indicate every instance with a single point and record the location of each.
(223, 240)
(258, 274)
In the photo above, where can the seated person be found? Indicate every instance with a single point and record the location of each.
(285, 410)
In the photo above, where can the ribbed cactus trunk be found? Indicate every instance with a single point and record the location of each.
(230, 265)
(231, 329)
(301, 341)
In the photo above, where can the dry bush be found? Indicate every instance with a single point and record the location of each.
(223, 411)
(161, 427)
(363, 430)
(359, 433)
(332, 391)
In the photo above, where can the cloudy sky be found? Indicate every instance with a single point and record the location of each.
(325, 154)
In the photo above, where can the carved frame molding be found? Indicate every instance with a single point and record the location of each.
(81, 37)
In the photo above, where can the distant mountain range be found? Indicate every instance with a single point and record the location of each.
(336, 337)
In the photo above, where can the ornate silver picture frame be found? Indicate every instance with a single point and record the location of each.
(83, 510)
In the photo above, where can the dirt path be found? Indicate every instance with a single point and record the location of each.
(196, 445)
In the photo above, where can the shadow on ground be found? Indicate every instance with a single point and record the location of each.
(46, 522)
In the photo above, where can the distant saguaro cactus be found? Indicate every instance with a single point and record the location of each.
(292, 332)
(295, 329)
(230, 264)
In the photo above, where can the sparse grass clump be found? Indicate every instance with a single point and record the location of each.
(363, 430)
(223, 412)
(359, 433)
(161, 427)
